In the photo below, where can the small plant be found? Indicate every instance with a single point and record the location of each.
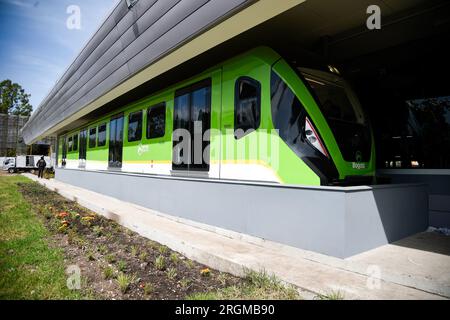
(98, 230)
(152, 244)
(143, 256)
(160, 263)
(71, 237)
(171, 273)
(63, 227)
(111, 258)
(174, 257)
(74, 215)
(222, 277)
(185, 283)
(122, 266)
(333, 295)
(189, 263)
(124, 281)
(54, 225)
(103, 249)
(162, 249)
(205, 272)
(108, 272)
(86, 221)
(115, 226)
(134, 251)
(90, 255)
(148, 288)
(48, 214)
(79, 241)
(109, 236)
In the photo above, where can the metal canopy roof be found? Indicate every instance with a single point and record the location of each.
(138, 44)
(127, 41)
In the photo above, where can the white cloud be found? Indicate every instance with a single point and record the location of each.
(22, 3)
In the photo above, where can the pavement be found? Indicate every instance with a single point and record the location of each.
(417, 267)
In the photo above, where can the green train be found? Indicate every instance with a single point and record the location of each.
(256, 117)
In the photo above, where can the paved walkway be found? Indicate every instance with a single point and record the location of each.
(387, 272)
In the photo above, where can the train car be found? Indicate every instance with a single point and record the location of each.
(256, 117)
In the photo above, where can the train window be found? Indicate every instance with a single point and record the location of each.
(116, 141)
(92, 137)
(83, 144)
(64, 148)
(343, 112)
(156, 121)
(75, 142)
(416, 135)
(69, 144)
(101, 137)
(288, 114)
(135, 126)
(247, 106)
(192, 115)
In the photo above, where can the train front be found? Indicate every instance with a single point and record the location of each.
(335, 138)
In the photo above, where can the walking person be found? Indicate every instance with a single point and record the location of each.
(41, 164)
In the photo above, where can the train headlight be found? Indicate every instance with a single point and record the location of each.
(334, 70)
(314, 139)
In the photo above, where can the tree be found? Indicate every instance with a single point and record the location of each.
(13, 99)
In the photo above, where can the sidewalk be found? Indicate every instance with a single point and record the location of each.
(313, 273)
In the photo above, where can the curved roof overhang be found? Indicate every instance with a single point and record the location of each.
(136, 45)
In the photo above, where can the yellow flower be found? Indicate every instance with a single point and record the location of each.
(205, 272)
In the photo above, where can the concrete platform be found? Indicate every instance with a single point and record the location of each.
(414, 268)
(335, 221)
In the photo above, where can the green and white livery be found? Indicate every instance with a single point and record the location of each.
(255, 117)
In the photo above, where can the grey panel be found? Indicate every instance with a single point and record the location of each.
(110, 51)
(384, 215)
(117, 14)
(127, 41)
(439, 193)
(164, 20)
(440, 202)
(335, 221)
(181, 32)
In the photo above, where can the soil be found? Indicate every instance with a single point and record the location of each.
(103, 250)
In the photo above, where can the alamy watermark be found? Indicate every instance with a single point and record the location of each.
(374, 279)
(199, 147)
(74, 277)
(73, 21)
(374, 20)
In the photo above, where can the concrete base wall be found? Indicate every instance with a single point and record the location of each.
(331, 220)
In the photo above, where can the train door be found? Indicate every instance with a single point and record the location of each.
(115, 142)
(82, 149)
(64, 151)
(247, 152)
(191, 126)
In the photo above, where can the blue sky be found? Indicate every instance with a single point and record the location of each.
(36, 46)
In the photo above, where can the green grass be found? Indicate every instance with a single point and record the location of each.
(332, 295)
(32, 269)
(257, 286)
(29, 267)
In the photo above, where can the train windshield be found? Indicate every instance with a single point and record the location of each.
(343, 112)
